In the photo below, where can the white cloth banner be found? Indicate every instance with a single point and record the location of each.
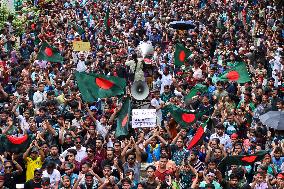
(144, 118)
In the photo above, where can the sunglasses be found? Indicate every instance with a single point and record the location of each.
(91, 151)
(131, 158)
(8, 167)
(77, 142)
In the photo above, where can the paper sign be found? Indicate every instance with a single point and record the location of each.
(144, 118)
(81, 46)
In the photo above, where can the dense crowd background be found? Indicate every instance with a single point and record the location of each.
(75, 144)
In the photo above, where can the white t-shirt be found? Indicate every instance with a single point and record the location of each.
(197, 73)
(81, 66)
(54, 176)
(81, 154)
(101, 129)
(23, 123)
(157, 103)
(166, 80)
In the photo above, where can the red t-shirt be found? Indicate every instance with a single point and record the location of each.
(161, 175)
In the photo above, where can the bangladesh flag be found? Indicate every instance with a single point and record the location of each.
(122, 119)
(15, 144)
(107, 22)
(181, 53)
(198, 88)
(94, 86)
(49, 53)
(238, 73)
(77, 28)
(243, 159)
(183, 117)
(198, 135)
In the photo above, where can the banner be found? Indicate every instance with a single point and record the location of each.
(144, 118)
(81, 46)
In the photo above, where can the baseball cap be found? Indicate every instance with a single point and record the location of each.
(34, 149)
(93, 108)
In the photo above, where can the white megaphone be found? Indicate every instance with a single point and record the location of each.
(146, 48)
(139, 90)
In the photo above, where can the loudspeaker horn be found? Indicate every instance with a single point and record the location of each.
(139, 90)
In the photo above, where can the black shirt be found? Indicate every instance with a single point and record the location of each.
(148, 185)
(10, 180)
(31, 184)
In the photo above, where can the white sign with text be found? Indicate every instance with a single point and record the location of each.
(144, 118)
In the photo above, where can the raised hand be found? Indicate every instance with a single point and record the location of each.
(81, 175)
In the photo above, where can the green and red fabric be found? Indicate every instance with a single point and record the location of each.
(198, 88)
(15, 144)
(181, 54)
(49, 53)
(182, 116)
(107, 22)
(94, 86)
(243, 159)
(198, 135)
(77, 28)
(122, 119)
(238, 73)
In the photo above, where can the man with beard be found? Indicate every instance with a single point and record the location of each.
(161, 169)
(233, 183)
(52, 173)
(100, 154)
(81, 66)
(81, 150)
(209, 180)
(9, 174)
(35, 182)
(150, 182)
(205, 106)
(179, 152)
(53, 157)
(114, 162)
(90, 137)
(220, 134)
(195, 162)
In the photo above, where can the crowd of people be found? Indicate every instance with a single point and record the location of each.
(75, 145)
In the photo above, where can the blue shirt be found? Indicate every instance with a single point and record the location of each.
(156, 152)
(278, 163)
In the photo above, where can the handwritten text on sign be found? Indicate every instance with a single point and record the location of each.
(81, 46)
(143, 118)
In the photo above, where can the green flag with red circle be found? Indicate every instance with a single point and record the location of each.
(93, 86)
(11, 143)
(243, 159)
(181, 54)
(182, 116)
(122, 119)
(238, 73)
(49, 53)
